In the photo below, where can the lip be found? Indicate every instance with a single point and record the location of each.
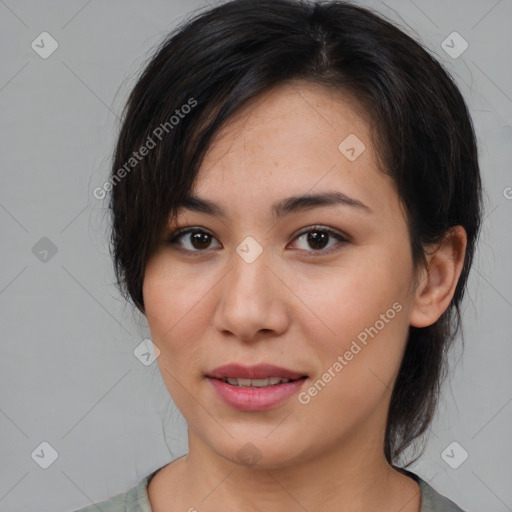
(260, 371)
(254, 398)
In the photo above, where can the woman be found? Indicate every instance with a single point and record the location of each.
(295, 200)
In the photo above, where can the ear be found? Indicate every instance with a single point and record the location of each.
(437, 283)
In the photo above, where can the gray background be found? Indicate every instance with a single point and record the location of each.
(68, 373)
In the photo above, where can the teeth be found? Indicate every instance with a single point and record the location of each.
(256, 383)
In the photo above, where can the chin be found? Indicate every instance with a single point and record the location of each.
(254, 448)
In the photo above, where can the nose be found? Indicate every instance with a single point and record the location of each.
(252, 301)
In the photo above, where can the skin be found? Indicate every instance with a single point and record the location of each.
(294, 307)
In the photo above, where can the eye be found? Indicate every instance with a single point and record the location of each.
(200, 240)
(317, 237)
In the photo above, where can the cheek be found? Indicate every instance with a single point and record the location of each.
(178, 302)
(366, 311)
(169, 304)
(345, 300)
(358, 368)
(170, 295)
(173, 313)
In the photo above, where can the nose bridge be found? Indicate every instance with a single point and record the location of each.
(249, 301)
(249, 279)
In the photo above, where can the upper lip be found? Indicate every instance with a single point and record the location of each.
(259, 371)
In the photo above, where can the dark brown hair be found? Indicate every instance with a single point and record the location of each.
(204, 72)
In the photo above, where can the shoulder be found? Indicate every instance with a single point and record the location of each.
(432, 501)
(114, 504)
(134, 500)
(137, 500)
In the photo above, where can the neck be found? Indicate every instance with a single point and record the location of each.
(355, 477)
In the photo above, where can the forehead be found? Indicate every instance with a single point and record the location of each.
(294, 139)
(292, 118)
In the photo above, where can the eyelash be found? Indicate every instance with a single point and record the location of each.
(176, 235)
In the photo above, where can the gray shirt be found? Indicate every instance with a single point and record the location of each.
(136, 499)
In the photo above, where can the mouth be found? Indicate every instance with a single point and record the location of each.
(255, 373)
(258, 383)
(255, 388)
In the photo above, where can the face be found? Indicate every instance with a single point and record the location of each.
(319, 290)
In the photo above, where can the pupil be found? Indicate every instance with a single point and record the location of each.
(201, 239)
(315, 236)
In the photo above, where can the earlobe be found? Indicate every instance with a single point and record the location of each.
(439, 281)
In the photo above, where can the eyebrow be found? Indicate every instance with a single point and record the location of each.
(280, 208)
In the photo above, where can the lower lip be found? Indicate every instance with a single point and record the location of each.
(253, 398)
